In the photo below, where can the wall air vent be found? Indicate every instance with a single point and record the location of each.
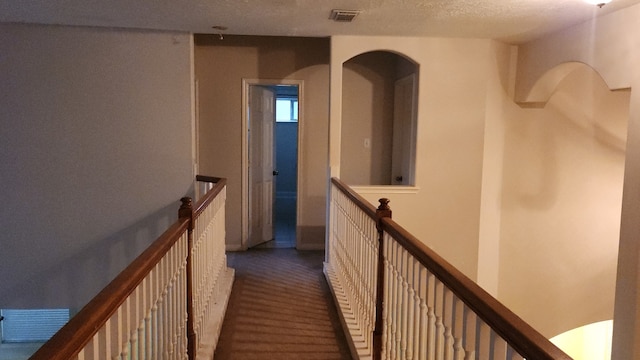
(343, 15)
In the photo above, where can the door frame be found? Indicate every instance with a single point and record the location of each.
(409, 129)
(246, 83)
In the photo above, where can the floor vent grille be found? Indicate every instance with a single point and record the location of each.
(31, 325)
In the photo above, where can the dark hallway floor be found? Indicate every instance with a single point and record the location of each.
(280, 308)
(284, 236)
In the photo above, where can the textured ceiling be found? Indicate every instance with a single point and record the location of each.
(508, 20)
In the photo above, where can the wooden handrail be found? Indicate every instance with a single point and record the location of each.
(520, 335)
(527, 341)
(361, 202)
(77, 333)
(203, 202)
(211, 179)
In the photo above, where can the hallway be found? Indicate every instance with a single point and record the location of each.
(280, 308)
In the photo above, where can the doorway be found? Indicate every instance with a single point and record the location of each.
(272, 120)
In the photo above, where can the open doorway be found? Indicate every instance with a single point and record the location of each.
(286, 151)
(272, 120)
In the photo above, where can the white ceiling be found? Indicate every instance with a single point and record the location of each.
(508, 20)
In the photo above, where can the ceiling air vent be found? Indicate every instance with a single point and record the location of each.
(343, 15)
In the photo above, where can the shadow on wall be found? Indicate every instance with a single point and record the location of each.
(75, 280)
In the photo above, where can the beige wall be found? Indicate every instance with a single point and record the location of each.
(562, 195)
(95, 153)
(453, 80)
(609, 44)
(220, 67)
(499, 91)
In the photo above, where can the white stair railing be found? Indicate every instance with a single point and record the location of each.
(353, 249)
(212, 279)
(400, 300)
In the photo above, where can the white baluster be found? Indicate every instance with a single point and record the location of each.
(447, 321)
(183, 303)
(116, 331)
(133, 339)
(404, 306)
(424, 319)
(171, 301)
(158, 350)
(431, 317)
(386, 298)
(144, 311)
(126, 321)
(90, 350)
(397, 298)
(154, 330)
(148, 353)
(439, 313)
(182, 298)
(163, 309)
(103, 338)
(372, 277)
(458, 328)
(411, 308)
(471, 328)
(484, 343)
(499, 347)
(358, 273)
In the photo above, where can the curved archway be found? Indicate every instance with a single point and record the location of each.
(546, 85)
(379, 108)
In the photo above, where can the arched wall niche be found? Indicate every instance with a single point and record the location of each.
(384, 50)
(379, 115)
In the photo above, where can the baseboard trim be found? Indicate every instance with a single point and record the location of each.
(234, 247)
(209, 339)
(311, 246)
(354, 334)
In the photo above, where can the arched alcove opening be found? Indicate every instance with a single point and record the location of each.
(561, 202)
(379, 110)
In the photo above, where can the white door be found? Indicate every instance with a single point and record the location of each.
(404, 128)
(261, 160)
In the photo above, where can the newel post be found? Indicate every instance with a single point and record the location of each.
(383, 211)
(186, 211)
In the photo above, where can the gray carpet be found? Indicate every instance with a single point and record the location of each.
(280, 308)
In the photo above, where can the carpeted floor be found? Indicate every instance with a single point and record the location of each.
(280, 308)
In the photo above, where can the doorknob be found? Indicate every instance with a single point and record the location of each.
(275, 172)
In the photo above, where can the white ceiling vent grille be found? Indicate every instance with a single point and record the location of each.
(343, 15)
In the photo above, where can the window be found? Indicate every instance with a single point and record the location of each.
(287, 109)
